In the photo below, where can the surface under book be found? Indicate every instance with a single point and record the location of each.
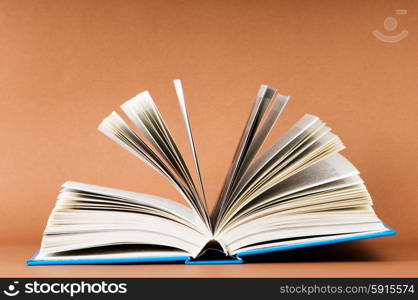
(299, 192)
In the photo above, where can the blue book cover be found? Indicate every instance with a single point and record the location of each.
(236, 259)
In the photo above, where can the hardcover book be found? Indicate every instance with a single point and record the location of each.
(299, 192)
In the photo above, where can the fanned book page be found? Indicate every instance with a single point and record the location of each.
(299, 192)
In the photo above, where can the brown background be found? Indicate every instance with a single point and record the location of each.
(65, 65)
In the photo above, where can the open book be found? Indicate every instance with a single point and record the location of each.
(299, 192)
